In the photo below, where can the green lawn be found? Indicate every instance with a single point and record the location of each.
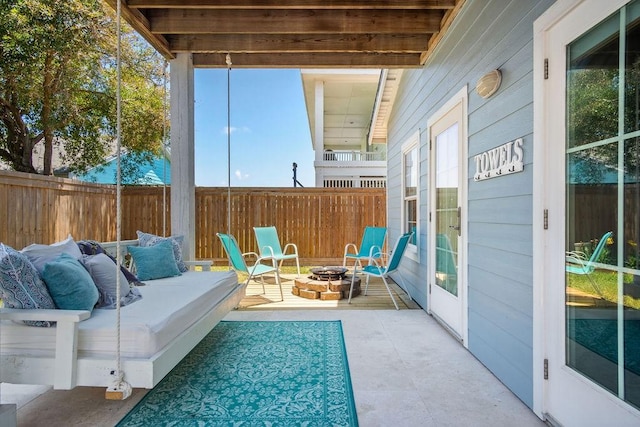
(607, 281)
(286, 269)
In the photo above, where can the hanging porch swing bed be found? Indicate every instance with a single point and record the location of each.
(136, 344)
(155, 332)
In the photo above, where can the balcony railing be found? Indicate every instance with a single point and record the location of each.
(354, 156)
(347, 182)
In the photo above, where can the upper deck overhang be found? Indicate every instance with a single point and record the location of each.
(383, 34)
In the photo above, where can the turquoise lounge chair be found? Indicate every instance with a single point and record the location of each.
(375, 269)
(446, 266)
(269, 246)
(237, 259)
(577, 262)
(370, 246)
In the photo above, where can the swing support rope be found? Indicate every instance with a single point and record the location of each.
(164, 151)
(119, 388)
(228, 61)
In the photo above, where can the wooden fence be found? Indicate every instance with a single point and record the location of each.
(319, 221)
(595, 211)
(39, 209)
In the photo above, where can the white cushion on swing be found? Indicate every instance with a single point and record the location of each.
(167, 308)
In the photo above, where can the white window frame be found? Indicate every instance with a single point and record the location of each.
(413, 142)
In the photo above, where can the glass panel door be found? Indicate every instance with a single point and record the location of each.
(602, 157)
(447, 213)
(447, 298)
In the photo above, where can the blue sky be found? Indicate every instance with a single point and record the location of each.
(269, 129)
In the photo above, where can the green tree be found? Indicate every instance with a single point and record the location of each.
(58, 84)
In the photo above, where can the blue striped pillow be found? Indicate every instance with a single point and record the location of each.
(20, 284)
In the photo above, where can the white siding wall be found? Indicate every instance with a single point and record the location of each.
(486, 35)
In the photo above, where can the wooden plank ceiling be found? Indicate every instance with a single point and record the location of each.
(293, 33)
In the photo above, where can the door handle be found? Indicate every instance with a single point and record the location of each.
(459, 225)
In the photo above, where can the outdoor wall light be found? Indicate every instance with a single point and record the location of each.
(489, 83)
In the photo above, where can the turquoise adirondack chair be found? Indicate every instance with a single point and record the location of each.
(370, 246)
(238, 262)
(375, 269)
(577, 262)
(269, 246)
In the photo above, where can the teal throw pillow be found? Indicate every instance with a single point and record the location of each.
(154, 262)
(146, 239)
(70, 284)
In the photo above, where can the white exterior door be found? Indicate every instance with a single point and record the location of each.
(591, 338)
(447, 243)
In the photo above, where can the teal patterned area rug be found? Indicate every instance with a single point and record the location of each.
(256, 374)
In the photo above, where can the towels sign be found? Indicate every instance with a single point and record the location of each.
(503, 160)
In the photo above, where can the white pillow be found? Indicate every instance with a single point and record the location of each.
(39, 254)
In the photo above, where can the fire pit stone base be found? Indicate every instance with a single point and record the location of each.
(335, 289)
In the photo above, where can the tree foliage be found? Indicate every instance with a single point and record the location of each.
(593, 117)
(58, 84)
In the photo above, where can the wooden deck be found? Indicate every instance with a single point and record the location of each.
(377, 297)
(577, 298)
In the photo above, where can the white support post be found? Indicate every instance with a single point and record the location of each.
(183, 197)
(318, 143)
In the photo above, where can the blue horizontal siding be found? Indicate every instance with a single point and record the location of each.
(514, 292)
(486, 35)
(517, 269)
(485, 340)
(503, 210)
(509, 238)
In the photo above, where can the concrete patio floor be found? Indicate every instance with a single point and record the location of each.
(406, 370)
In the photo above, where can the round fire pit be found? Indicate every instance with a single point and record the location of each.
(328, 273)
(326, 283)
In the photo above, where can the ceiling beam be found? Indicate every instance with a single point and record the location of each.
(140, 23)
(201, 21)
(308, 60)
(447, 20)
(291, 4)
(202, 43)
